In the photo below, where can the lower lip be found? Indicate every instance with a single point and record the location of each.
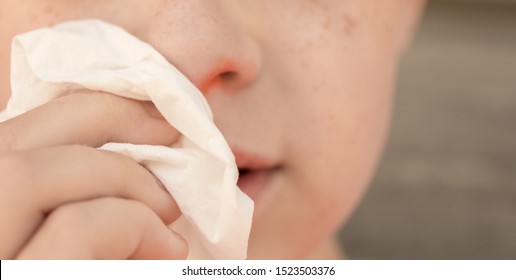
(253, 183)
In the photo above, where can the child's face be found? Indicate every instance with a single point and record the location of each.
(300, 89)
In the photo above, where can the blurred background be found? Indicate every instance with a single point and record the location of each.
(446, 188)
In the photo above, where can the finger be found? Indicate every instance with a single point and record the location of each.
(105, 228)
(36, 182)
(87, 118)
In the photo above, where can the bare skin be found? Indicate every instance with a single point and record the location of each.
(306, 85)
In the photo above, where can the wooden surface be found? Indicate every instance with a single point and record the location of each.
(446, 188)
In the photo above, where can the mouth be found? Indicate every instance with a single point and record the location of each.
(255, 173)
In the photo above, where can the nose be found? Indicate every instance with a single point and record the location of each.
(200, 39)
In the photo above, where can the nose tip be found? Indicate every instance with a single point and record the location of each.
(207, 46)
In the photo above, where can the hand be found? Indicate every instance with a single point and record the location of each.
(60, 198)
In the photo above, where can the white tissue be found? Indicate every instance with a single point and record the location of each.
(199, 170)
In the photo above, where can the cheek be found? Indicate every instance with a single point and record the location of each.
(336, 86)
(348, 147)
(345, 114)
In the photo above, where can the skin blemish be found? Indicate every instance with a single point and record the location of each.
(346, 22)
(32, 15)
(48, 9)
(349, 24)
(53, 15)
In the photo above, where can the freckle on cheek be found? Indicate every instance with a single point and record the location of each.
(33, 16)
(349, 24)
(49, 9)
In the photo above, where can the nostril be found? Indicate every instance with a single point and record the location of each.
(228, 76)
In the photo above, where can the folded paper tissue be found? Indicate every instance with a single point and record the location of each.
(199, 170)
